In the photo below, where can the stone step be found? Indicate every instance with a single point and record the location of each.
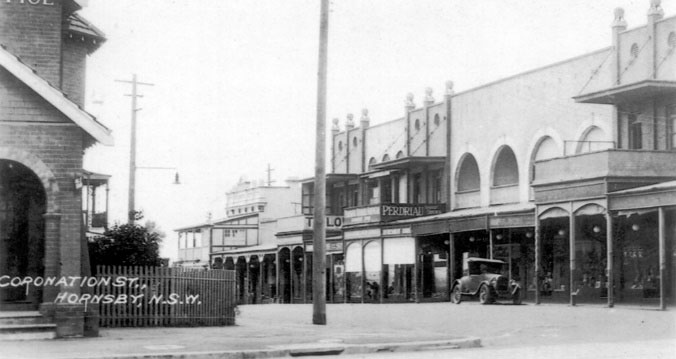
(23, 317)
(25, 325)
(26, 328)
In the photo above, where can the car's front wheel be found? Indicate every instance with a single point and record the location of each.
(485, 296)
(456, 296)
(516, 297)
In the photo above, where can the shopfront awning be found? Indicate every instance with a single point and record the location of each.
(653, 196)
(501, 216)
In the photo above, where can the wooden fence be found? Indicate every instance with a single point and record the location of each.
(162, 297)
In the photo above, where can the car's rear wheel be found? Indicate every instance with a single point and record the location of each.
(485, 295)
(456, 295)
(516, 297)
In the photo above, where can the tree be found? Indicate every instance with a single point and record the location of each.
(127, 245)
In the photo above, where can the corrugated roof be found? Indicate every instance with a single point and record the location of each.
(80, 25)
(54, 96)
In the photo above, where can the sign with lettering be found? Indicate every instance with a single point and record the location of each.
(397, 231)
(358, 215)
(362, 233)
(31, 2)
(391, 212)
(331, 247)
(332, 222)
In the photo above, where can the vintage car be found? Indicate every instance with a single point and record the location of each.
(484, 278)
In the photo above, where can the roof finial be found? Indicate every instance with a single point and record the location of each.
(365, 118)
(449, 88)
(349, 124)
(656, 9)
(410, 105)
(619, 18)
(336, 125)
(429, 99)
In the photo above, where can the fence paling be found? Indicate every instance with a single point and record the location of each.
(202, 297)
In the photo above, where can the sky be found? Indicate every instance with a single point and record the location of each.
(235, 80)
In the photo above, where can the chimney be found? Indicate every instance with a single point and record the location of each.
(365, 118)
(349, 124)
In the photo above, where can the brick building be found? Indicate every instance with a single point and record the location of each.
(44, 133)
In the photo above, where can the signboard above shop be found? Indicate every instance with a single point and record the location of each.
(390, 212)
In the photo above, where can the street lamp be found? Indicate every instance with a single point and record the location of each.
(132, 186)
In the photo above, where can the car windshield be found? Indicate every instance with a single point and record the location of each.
(479, 267)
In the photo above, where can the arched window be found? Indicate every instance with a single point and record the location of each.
(417, 125)
(386, 158)
(594, 139)
(372, 162)
(400, 154)
(505, 168)
(545, 149)
(436, 120)
(468, 175)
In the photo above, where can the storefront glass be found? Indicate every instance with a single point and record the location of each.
(353, 272)
(636, 257)
(589, 279)
(555, 281)
(398, 259)
(372, 269)
(433, 266)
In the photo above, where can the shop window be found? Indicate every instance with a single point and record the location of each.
(635, 133)
(398, 265)
(353, 272)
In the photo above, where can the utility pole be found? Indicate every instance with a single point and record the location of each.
(132, 152)
(319, 225)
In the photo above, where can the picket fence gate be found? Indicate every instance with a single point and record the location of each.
(164, 297)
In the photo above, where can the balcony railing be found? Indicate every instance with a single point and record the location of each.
(615, 163)
(100, 220)
(577, 147)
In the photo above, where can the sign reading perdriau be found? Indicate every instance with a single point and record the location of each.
(31, 2)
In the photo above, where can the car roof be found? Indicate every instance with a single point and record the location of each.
(476, 259)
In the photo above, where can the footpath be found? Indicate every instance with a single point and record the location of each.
(276, 330)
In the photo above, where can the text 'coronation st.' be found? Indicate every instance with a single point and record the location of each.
(32, 2)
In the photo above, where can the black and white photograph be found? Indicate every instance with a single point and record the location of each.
(386, 179)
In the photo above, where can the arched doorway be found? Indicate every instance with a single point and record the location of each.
(22, 229)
